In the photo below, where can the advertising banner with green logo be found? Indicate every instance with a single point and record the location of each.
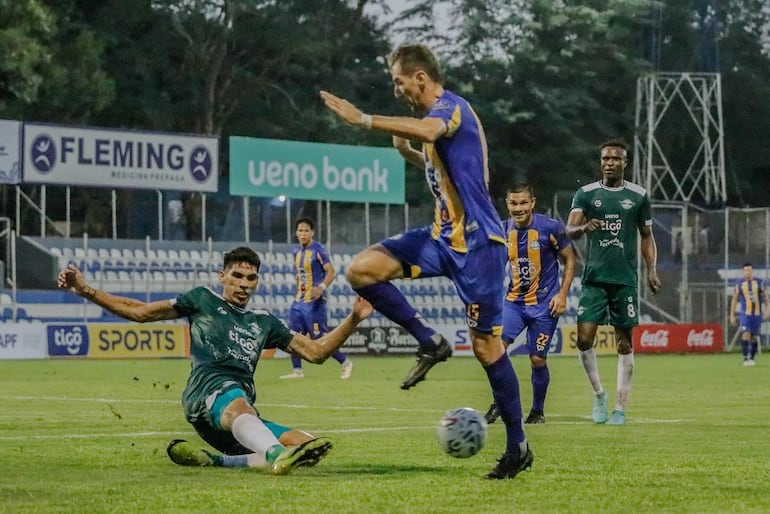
(315, 171)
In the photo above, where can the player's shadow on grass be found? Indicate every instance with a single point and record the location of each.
(377, 469)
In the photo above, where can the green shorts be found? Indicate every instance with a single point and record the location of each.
(616, 303)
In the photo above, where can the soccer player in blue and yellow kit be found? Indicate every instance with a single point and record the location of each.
(226, 341)
(465, 242)
(308, 314)
(754, 307)
(534, 300)
(613, 214)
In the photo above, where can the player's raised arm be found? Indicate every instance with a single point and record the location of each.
(426, 130)
(318, 350)
(134, 310)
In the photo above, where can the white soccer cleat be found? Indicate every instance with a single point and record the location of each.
(297, 373)
(347, 370)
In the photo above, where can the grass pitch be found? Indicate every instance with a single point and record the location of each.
(90, 436)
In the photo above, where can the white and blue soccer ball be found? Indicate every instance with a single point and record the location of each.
(462, 432)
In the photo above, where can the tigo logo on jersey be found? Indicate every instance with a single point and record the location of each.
(67, 340)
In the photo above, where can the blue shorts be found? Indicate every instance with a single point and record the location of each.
(309, 318)
(750, 323)
(478, 275)
(536, 319)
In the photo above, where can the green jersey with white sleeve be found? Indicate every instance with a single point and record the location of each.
(225, 345)
(611, 251)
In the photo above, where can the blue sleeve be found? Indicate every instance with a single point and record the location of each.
(560, 234)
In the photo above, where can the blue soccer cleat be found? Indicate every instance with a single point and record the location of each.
(617, 418)
(599, 414)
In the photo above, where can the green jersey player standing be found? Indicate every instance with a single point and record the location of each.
(226, 340)
(613, 213)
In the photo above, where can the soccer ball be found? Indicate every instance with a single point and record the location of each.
(462, 432)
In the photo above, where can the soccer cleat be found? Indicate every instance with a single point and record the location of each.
(617, 417)
(509, 465)
(183, 453)
(749, 362)
(492, 414)
(306, 454)
(426, 359)
(347, 370)
(535, 418)
(297, 373)
(599, 414)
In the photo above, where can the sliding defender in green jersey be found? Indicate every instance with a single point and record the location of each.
(226, 340)
(613, 214)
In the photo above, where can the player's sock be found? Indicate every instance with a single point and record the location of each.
(505, 391)
(339, 357)
(745, 350)
(387, 299)
(588, 359)
(234, 461)
(625, 374)
(753, 350)
(296, 362)
(249, 430)
(541, 377)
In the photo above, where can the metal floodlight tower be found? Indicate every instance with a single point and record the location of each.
(661, 97)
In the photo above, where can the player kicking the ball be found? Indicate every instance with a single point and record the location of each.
(226, 340)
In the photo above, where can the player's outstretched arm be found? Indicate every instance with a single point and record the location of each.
(318, 350)
(425, 130)
(134, 310)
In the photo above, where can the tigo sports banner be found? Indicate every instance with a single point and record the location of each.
(56, 154)
(315, 171)
(117, 340)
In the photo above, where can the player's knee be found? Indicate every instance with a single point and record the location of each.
(584, 344)
(624, 346)
(537, 361)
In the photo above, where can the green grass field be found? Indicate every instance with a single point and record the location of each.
(90, 436)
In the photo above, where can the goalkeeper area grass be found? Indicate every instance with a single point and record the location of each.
(90, 436)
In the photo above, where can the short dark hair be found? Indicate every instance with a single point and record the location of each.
(521, 187)
(241, 254)
(615, 143)
(745, 264)
(413, 58)
(310, 223)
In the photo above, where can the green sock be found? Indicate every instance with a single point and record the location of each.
(273, 452)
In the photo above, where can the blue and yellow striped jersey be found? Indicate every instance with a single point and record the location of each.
(309, 264)
(533, 253)
(458, 176)
(750, 294)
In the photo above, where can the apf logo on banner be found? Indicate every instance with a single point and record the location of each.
(58, 154)
(22, 341)
(67, 340)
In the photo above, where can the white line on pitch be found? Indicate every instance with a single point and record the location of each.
(172, 434)
(324, 407)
